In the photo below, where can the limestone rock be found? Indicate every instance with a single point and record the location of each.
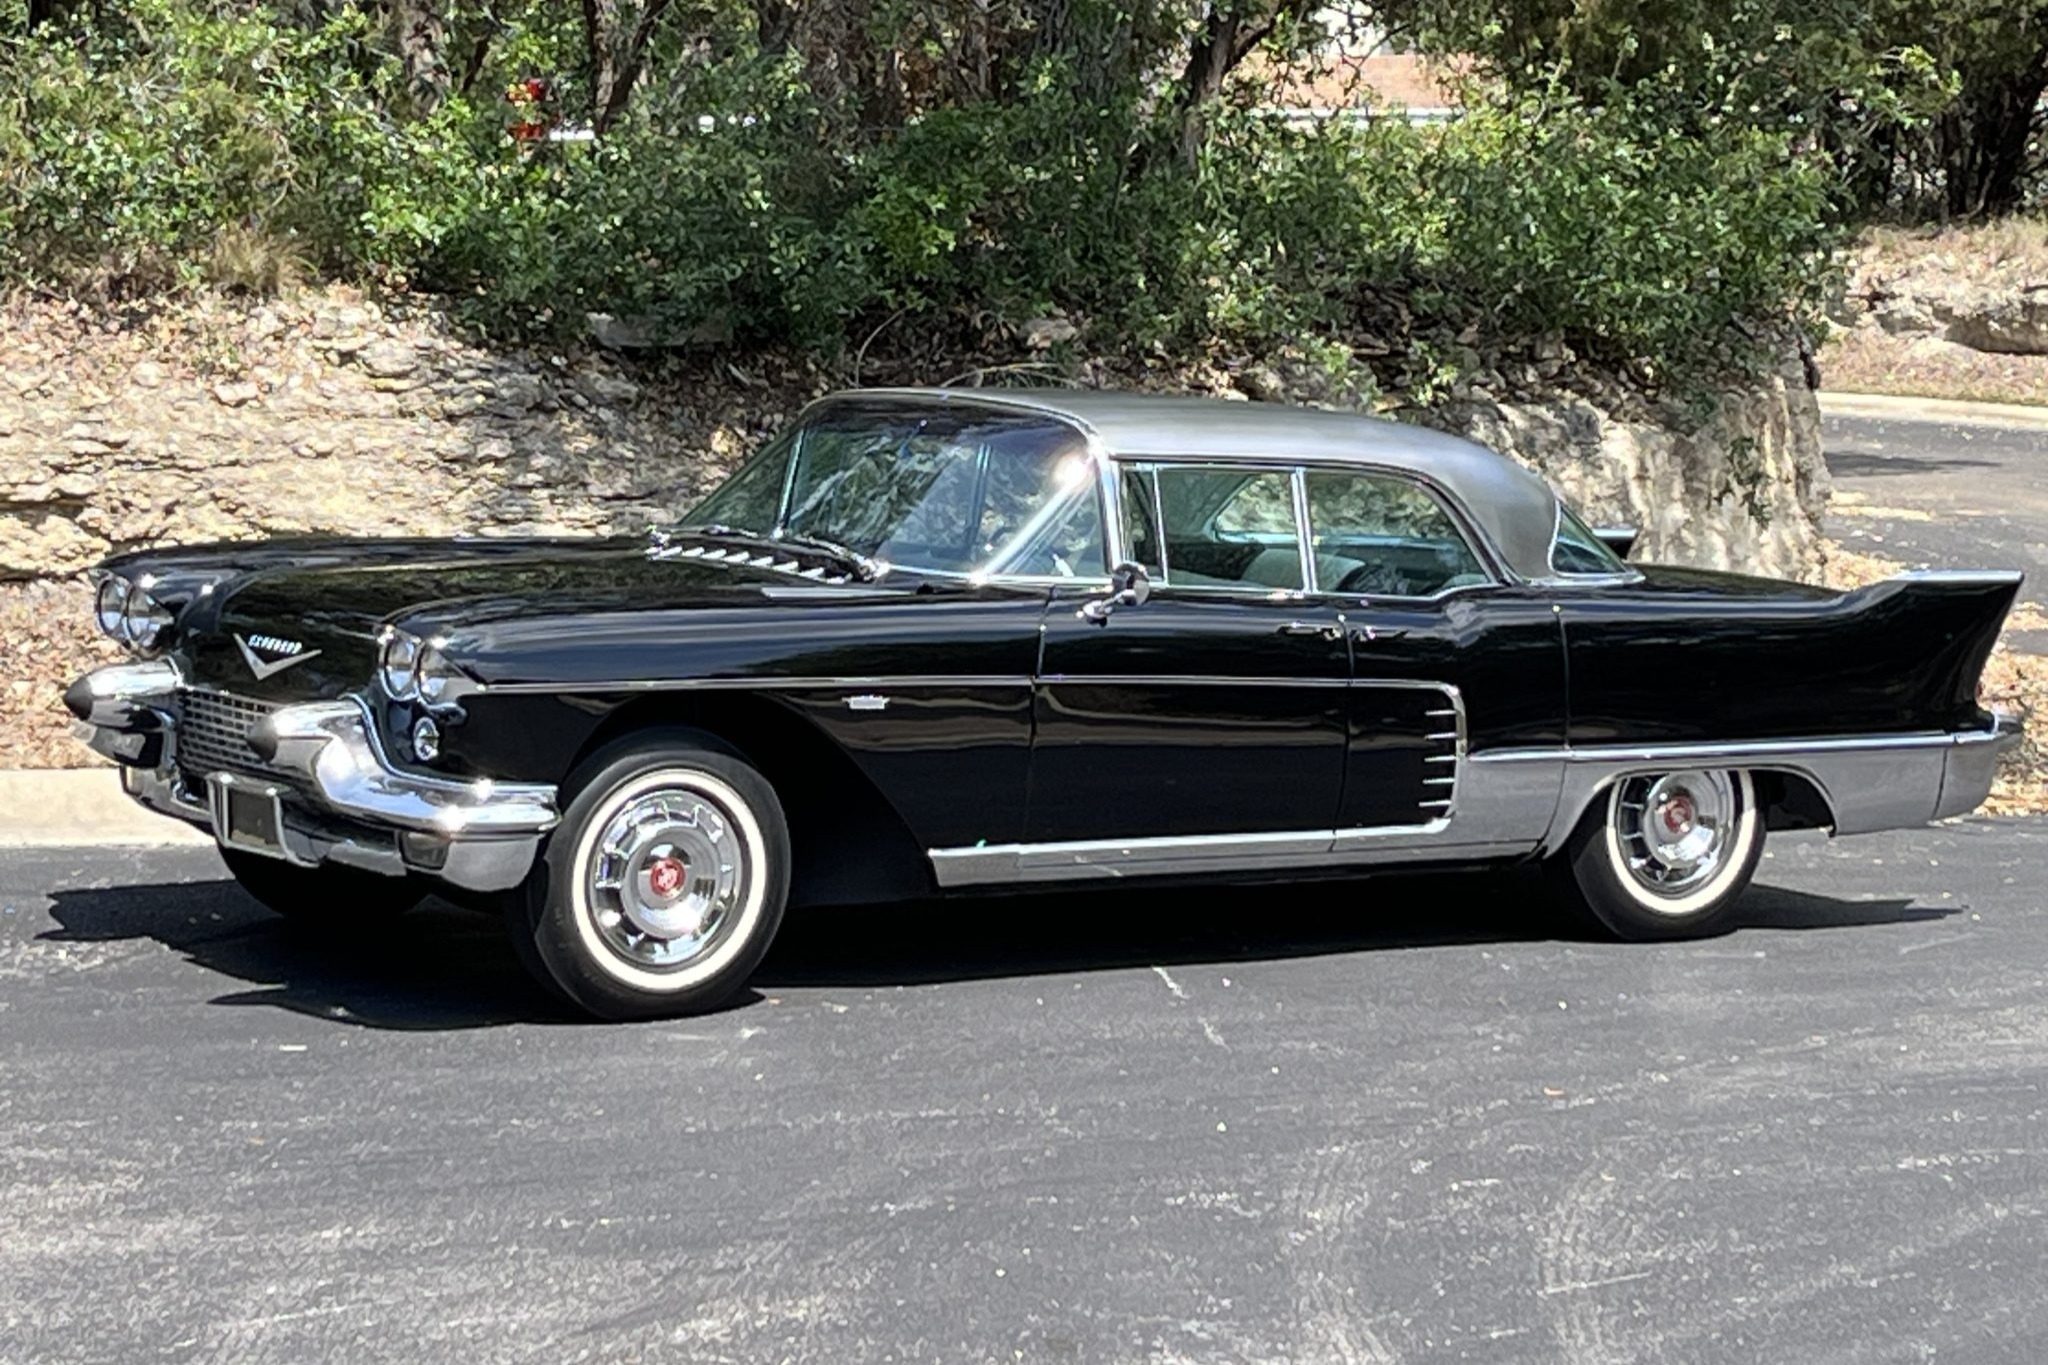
(609, 389)
(1744, 492)
(46, 546)
(2009, 322)
(234, 393)
(1042, 334)
(389, 359)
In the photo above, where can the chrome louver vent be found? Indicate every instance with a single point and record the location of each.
(213, 734)
(1440, 760)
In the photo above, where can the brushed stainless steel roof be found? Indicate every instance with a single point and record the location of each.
(1511, 506)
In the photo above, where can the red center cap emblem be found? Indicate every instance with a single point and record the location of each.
(1678, 815)
(665, 876)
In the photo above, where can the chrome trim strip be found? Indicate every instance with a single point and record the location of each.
(1707, 751)
(870, 682)
(1990, 576)
(1278, 851)
(1182, 680)
(1298, 484)
(882, 682)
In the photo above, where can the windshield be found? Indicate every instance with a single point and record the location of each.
(950, 489)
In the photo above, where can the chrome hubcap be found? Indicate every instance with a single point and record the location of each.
(666, 877)
(1675, 828)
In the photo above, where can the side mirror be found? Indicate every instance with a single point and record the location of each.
(1620, 539)
(1129, 586)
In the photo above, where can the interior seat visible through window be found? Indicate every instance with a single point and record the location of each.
(1398, 539)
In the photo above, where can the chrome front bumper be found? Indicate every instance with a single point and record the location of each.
(340, 798)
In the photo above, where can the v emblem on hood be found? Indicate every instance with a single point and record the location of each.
(295, 653)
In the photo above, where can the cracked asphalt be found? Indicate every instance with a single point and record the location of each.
(1404, 1119)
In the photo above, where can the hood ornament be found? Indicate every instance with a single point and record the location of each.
(289, 652)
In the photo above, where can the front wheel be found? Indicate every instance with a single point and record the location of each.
(664, 884)
(1665, 855)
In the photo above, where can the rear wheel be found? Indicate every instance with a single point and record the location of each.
(664, 884)
(329, 898)
(1665, 855)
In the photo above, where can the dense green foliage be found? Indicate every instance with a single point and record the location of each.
(1926, 107)
(769, 173)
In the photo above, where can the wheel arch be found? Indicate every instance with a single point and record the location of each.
(848, 843)
(1789, 797)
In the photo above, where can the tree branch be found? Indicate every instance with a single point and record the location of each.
(628, 72)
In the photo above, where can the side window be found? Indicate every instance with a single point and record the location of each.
(1068, 543)
(1578, 551)
(1378, 535)
(1141, 520)
(1229, 528)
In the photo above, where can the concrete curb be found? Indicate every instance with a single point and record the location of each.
(70, 807)
(1892, 408)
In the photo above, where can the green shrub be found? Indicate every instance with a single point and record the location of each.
(127, 150)
(189, 140)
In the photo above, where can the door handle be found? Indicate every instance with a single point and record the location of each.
(1367, 634)
(1323, 632)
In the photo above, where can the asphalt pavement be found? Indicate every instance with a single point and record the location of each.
(1405, 1119)
(1944, 494)
(1393, 1120)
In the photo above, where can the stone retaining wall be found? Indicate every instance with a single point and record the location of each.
(329, 413)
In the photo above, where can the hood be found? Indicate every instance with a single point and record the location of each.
(299, 620)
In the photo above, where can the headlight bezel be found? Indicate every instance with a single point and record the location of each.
(398, 658)
(126, 611)
(110, 604)
(433, 675)
(417, 671)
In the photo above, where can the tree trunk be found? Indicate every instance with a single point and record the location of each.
(775, 25)
(1229, 33)
(629, 66)
(420, 33)
(600, 21)
(1985, 139)
(615, 66)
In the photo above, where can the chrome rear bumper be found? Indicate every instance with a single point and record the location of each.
(341, 799)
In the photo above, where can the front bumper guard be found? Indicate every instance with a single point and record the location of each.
(344, 801)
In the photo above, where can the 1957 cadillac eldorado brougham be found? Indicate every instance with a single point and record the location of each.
(935, 641)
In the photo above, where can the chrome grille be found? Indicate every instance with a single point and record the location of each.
(213, 734)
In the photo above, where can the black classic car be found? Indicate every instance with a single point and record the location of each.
(939, 641)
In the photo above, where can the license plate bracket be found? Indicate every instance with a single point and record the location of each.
(248, 815)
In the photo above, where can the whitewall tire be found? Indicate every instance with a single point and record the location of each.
(1665, 854)
(664, 885)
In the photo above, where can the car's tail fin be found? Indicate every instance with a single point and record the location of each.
(1947, 621)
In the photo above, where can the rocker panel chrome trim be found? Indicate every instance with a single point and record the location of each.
(1869, 782)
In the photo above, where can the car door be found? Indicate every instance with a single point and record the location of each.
(1445, 657)
(1213, 713)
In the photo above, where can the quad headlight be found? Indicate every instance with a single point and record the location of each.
(398, 666)
(126, 611)
(412, 669)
